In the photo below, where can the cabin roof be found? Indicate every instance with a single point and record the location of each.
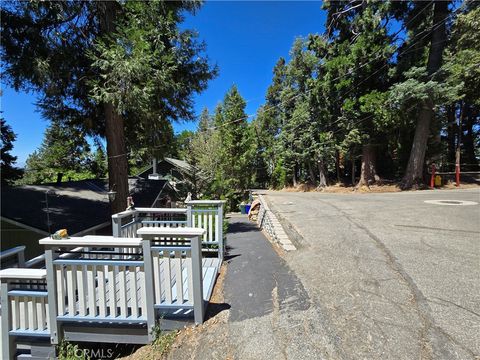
(164, 166)
(73, 205)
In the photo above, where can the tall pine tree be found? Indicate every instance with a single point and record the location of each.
(106, 65)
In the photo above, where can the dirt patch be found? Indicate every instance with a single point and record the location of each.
(384, 188)
(451, 185)
(300, 188)
(145, 352)
(340, 188)
(217, 294)
(192, 342)
(187, 339)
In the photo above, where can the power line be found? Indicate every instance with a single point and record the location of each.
(432, 28)
(265, 109)
(268, 108)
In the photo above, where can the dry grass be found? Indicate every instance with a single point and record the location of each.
(340, 188)
(307, 187)
(451, 185)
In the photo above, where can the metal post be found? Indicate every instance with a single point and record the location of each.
(219, 232)
(198, 306)
(8, 346)
(149, 288)
(52, 295)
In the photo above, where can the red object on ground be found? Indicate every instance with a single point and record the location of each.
(457, 174)
(432, 179)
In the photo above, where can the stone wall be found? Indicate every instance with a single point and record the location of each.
(269, 223)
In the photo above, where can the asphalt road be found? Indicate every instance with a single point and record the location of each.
(388, 275)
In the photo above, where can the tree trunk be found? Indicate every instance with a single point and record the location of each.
(117, 158)
(414, 171)
(451, 134)
(459, 138)
(352, 159)
(469, 141)
(311, 172)
(295, 183)
(368, 174)
(321, 172)
(337, 164)
(114, 128)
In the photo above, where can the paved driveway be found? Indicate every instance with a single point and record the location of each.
(392, 277)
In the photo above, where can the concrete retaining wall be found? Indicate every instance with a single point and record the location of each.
(269, 223)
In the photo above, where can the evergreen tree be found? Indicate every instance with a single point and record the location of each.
(415, 167)
(206, 149)
(63, 150)
(462, 61)
(234, 173)
(107, 66)
(183, 143)
(205, 121)
(267, 128)
(360, 53)
(98, 164)
(9, 173)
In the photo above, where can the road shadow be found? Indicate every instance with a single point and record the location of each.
(236, 227)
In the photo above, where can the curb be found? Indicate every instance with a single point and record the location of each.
(268, 222)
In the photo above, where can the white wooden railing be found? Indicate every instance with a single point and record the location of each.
(126, 223)
(208, 215)
(102, 283)
(205, 214)
(171, 262)
(181, 285)
(24, 306)
(14, 257)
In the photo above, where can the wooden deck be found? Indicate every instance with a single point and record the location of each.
(153, 272)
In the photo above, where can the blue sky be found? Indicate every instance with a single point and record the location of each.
(244, 38)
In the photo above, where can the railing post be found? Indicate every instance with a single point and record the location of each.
(219, 232)
(198, 305)
(135, 216)
(116, 226)
(149, 288)
(8, 346)
(189, 215)
(52, 295)
(21, 258)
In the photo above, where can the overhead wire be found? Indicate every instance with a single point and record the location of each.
(333, 80)
(433, 27)
(277, 106)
